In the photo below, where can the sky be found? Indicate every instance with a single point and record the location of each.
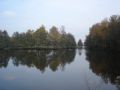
(77, 16)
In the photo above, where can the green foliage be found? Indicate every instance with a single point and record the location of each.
(70, 40)
(4, 39)
(105, 35)
(38, 39)
(29, 38)
(54, 37)
(80, 44)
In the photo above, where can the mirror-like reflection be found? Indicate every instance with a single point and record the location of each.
(59, 70)
(4, 58)
(105, 64)
(39, 59)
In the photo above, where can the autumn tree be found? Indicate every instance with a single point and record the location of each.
(105, 34)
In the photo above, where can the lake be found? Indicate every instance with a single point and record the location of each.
(59, 70)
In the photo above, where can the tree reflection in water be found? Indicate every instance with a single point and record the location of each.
(4, 58)
(106, 65)
(40, 59)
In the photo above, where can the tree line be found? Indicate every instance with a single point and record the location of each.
(105, 35)
(39, 38)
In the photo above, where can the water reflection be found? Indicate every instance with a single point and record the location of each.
(38, 59)
(106, 65)
(22, 70)
(4, 59)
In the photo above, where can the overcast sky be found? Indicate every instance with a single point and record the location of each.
(76, 15)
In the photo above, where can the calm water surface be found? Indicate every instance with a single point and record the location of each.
(59, 70)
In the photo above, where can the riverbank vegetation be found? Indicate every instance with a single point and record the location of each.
(80, 44)
(38, 39)
(105, 35)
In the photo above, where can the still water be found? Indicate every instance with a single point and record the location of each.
(59, 70)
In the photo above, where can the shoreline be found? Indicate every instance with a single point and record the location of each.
(40, 48)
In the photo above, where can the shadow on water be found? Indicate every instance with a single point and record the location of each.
(106, 65)
(40, 59)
